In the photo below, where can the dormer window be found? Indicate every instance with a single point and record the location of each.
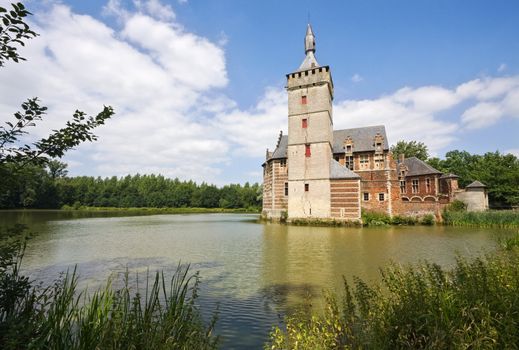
(348, 148)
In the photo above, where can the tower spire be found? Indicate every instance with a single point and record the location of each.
(309, 39)
(310, 61)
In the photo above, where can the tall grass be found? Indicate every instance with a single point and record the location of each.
(162, 314)
(474, 305)
(490, 218)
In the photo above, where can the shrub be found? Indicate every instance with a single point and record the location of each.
(474, 305)
(428, 220)
(457, 205)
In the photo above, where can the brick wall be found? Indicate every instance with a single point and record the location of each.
(345, 199)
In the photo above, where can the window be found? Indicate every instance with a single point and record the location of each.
(415, 186)
(402, 186)
(286, 188)
(379, 161)
(428, 185)
(348, 148)
(304, 123)
(283, 163)
(365, 196)
(307, 187)
(364, 161)
(308, 153)
(378, 147)
(303, 100)
(381, 197)
(349, 162)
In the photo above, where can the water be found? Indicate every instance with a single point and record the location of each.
(254, 271)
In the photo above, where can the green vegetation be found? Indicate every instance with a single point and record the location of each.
(474, 305)
(410, 149)
(163, 210)
(500, 172)
(324, 222)
(371, 218)
(159, 315)
(490, 218)
(47, 187)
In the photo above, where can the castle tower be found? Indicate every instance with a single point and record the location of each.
(310, 136)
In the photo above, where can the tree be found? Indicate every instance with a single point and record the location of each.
(13, 155)
(13, 30)
(57, 169)
(410, 149)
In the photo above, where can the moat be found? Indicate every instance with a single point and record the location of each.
(254, 271)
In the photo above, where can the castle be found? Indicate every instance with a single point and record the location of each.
(316, 172)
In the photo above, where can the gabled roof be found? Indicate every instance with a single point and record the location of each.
(476, 184)
(417, 167)
(363, 138)
(338, 171)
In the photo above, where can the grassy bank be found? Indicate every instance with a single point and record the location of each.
(380, 219)
(490, 218)
(160, 314)
(164, 210)
(474, 305)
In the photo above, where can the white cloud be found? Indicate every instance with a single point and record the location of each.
(165, 84)
(356, 78)
(481, 115)
(157, 90)
(502, 67)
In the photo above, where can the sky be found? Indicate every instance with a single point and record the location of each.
(198, 86)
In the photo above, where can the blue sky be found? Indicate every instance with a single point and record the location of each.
(198, 85)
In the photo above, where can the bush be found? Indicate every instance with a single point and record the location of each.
(474, 305)
(457, 206)
(428, 220)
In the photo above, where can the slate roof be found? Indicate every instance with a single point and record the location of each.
(417, 167)
(338, 171)
(281, 150)
(476, 184)
(363, 138)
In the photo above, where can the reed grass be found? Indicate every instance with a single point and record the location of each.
(488, 219)
(475, 305)
(162, 314)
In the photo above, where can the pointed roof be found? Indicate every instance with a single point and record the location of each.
(476, 184)
(309, 62)
(338, 171)
(449, 176)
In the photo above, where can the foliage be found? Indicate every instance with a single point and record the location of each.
(474, 305)
(500, 172)
(38, 187)
(490, 218)
(410, 149)
(165, 316)
(457, 205)
(374, 218)
(13, 32)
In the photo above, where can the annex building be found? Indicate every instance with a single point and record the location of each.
(316, 172)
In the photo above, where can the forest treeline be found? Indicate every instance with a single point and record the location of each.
(49, 187)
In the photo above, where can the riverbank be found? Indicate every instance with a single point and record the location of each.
(486, 219)
(150, 211)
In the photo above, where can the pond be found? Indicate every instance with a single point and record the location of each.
(254, 271)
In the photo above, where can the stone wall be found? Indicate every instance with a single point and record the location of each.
(476, 200)
(275, 177)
